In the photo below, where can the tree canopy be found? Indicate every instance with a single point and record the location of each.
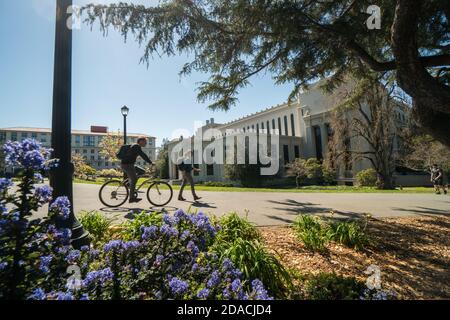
(298, 41)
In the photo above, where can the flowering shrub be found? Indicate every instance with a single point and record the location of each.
(166, 260)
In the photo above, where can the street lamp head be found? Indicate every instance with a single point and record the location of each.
(125, 111)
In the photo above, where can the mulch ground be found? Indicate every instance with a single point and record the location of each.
(413, 254)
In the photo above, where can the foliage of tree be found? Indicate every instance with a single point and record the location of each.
(162, 161)
(364, 127)
(298, 41)
(110, 145)
(366, 178)
(82, 169)
(312, 169)
(422, 151)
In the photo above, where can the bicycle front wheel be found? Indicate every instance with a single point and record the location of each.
(113, 193)
(159, 193)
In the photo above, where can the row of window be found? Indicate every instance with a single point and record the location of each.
(88, 141)
(269, 126)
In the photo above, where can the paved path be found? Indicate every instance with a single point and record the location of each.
(279, 208)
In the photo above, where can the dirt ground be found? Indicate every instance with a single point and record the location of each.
(413, 254)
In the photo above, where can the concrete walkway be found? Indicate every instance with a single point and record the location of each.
(270, 208)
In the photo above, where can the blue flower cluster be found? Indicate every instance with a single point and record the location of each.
(28, 154)
(61, 206)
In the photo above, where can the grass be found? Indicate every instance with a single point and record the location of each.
(305, 189)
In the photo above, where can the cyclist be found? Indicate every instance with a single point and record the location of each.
(128, 165)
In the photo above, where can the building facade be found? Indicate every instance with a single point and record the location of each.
(84, 142)
(303, 127)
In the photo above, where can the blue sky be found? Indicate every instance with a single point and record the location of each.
(106, 76)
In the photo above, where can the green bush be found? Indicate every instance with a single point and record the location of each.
(239, 241)
(314, 233)
(311, 232)
(366, 178)
(349, 233)
(96, 224)
(217, 184)
(132, 228)
(234, 227)
(314, 170)
(329, 286)
(110, 173)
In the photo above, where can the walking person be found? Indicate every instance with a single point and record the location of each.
(437, 178)
(186, 169)
(128, 158)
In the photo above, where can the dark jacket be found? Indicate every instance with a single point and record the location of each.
(186, 167)
(133, 153)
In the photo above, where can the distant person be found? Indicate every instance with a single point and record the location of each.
(128, 155)
(186, 169)
(437, 178)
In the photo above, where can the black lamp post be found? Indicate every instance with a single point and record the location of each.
(61, 177)
(125, 110)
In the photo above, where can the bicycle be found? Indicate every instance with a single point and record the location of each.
(114, 193)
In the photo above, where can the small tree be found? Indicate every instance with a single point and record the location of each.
(297, 169)
(364, 127)
(162, 161)
(421, 151)
(110, 145)
(82, 169)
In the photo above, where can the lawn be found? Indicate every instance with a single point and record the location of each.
(304, 189)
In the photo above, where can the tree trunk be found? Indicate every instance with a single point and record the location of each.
(431, 99)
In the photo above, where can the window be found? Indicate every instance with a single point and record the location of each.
(89, 141)
(13, 136)
(279, 126)
(292, 125)
(92, 157)
(257, 128)
(24, 135)
(297, 152)
(2, 136)
(273, 124)
(286, 154)
(286, 133)
(92, 150)
(318, 142)
(268, 127)
(84, 151)
(34, 135)
(210, 170)
(77, 140)
(77, 151)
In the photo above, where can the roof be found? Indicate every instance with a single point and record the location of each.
(76, 132)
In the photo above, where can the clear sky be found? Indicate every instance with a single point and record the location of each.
(106, 76)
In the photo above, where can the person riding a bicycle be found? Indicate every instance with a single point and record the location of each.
(128, 162)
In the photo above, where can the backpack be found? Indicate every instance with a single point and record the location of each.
(123, 152)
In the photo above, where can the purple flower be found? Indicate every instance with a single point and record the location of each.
(64, 296)
(214, 280)
(260, 291)
(38, 177)
(98, 277)
(38, 294)
(192, 248)
(131, 245)
(45, 263)
(158, 260)
(61, 206)
(177, 286)
(203, 294)
(5, 184)
(168, 231)
(73, 256)
(28, 154)
(149, 233)
(3, 265)
(43, 194)
(181, 215)
(236, 285)
(171, 221)
(185, 235)
(114, 245)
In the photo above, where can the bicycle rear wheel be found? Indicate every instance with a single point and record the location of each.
(159, 193)
(113, 193)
